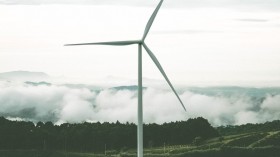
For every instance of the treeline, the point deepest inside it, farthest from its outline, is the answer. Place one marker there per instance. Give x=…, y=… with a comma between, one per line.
x=247, y=128
x=94, y=137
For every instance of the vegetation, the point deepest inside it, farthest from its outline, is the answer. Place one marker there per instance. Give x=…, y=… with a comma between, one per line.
x=92, y=137
x=247, y=128
x=192, y=138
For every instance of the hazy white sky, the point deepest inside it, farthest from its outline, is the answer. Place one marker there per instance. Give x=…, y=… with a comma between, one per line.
x=197, y=42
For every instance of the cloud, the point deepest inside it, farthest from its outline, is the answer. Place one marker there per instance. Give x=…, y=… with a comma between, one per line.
x=271, y=107
x=43, y=103
x=64, y=104
x=76, y=105
x=244, y=117
x=236, y=110
x=112, y=105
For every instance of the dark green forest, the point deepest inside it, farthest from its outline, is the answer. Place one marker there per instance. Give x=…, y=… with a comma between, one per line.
x=248, y=128
x=92, y=137
x=191, y=138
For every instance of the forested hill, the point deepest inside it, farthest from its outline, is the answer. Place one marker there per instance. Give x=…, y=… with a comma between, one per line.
x=249, y=128
x=93, y=136
x=191, y=135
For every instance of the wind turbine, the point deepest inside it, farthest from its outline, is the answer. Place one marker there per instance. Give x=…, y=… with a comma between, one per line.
x=140, y=43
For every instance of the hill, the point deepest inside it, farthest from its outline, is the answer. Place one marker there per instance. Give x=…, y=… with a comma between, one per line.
x=91, y=137
x=24, y=76
x=192, y=138
x=250, y=140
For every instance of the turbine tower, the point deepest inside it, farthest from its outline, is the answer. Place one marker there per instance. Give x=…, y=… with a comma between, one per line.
x=140, y=43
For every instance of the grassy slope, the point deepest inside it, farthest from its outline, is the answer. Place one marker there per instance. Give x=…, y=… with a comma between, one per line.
x=257, y=144
x=249, y=144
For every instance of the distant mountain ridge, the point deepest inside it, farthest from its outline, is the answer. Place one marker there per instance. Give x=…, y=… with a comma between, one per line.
x=24, y=76
x=38, y=83
x=235, y=90
x=131, y=88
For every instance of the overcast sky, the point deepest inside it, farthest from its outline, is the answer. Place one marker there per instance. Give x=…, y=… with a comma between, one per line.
x=205, y=42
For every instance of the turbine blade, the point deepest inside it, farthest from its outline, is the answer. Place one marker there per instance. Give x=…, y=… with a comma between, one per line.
x=112, y=43
x=151, y=20
x=162, y=72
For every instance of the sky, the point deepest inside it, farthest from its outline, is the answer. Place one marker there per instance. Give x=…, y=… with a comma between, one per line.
x=199, y=43
x=207, y=42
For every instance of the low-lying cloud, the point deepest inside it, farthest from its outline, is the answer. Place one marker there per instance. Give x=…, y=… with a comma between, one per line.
x=61, y=104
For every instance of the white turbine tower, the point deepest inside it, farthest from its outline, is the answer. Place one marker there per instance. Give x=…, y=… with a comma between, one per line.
x=153, y=57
